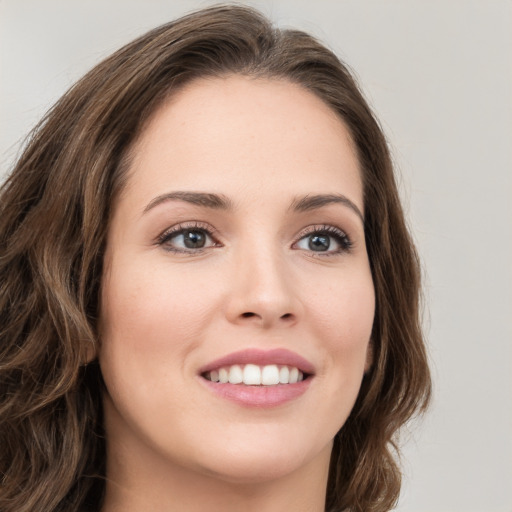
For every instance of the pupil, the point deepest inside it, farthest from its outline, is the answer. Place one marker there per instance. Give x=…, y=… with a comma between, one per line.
x=319, y=243
x=194, y=239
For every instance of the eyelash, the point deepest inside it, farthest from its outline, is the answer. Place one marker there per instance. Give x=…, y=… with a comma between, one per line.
x=181, y=228
x=341, y=238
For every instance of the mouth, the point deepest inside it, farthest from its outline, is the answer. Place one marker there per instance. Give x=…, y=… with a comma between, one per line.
x=256, y=375
x=258, y=378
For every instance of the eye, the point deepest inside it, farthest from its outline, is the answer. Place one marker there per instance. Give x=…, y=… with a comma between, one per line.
x=324, y=239
x=187, y=239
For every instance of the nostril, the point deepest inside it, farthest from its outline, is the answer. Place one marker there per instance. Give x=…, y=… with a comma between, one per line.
x=250, y=314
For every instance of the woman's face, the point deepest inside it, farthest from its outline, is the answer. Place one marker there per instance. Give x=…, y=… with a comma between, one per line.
x=236, y=251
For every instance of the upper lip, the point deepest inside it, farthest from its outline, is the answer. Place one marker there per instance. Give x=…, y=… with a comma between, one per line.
x=261, y=357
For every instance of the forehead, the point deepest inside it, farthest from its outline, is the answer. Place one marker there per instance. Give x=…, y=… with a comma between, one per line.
x=236, y=134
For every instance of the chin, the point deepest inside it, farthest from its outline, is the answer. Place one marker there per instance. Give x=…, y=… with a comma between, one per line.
x=253, y=463
x=249, y=471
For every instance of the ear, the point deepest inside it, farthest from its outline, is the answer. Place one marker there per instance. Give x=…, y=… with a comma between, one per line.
x=91, y=352
x=369, y=357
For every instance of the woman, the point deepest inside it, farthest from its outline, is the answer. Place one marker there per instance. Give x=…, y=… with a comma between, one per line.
x=209, y=293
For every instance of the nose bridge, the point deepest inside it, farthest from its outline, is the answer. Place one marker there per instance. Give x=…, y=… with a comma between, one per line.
x=263, y=285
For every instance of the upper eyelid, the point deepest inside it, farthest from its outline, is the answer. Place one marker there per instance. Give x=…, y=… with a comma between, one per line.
x=346, y=241
x=182, y=226
x=321, y=227
x=317, y=228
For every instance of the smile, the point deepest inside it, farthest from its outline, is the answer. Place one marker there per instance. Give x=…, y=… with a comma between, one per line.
x=254, y=375
x=258, y=378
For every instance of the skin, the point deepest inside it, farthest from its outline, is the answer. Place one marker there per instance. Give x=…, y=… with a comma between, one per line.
x=172, y=444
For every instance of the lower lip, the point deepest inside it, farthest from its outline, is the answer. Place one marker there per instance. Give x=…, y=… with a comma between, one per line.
x=258, y=396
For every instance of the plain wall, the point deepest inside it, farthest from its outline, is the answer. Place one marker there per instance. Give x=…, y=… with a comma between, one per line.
x=439, y=75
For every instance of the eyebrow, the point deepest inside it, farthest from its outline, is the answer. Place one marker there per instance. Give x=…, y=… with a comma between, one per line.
x=214, y=201
x=222, y=202
x=312, y=202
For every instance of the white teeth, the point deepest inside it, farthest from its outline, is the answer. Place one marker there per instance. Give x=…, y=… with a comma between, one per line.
x=270, y=375
x=254, y=375
x=223, y=375
x=235, y=374
x=284, y=375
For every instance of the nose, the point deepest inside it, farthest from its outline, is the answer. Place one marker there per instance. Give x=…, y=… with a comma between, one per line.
x=262, y=291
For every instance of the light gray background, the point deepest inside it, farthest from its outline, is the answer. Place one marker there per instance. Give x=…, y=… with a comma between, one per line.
x=439, y=74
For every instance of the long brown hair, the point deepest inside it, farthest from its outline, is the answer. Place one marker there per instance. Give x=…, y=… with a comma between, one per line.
x=54, y=214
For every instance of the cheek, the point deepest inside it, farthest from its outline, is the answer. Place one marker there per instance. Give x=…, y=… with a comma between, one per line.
x=344, y=319
x=341, y=321
x=151, y=308
x=346, y=310
x=147, y=328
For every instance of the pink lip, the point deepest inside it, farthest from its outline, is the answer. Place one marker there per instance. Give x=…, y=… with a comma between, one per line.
x=259, y=396
x=261, y=357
